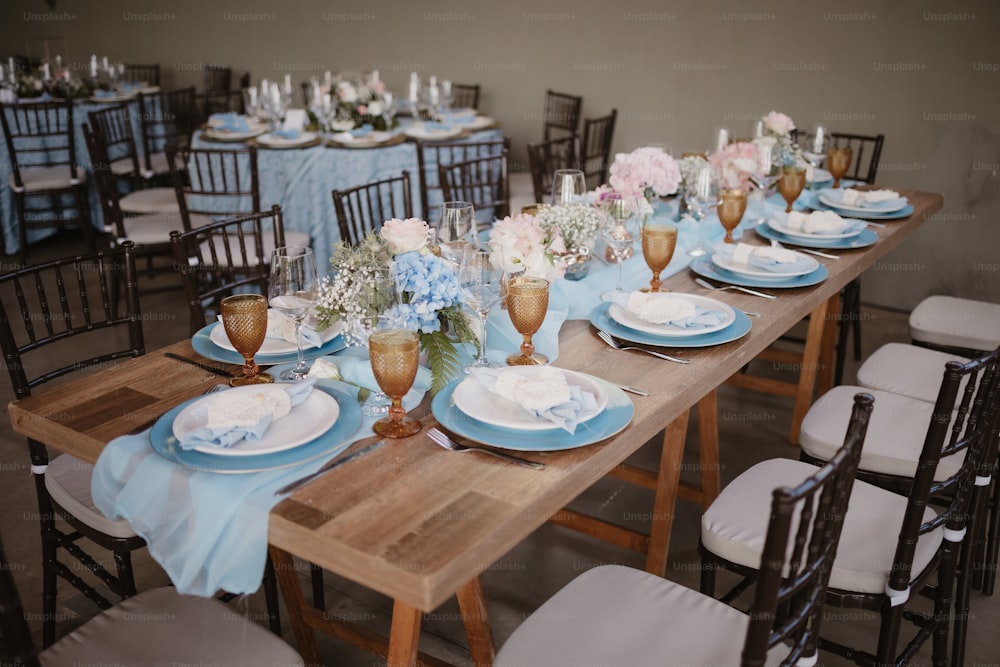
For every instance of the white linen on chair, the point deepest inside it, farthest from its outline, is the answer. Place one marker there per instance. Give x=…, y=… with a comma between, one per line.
x=67, y=479
x=151, y=200
x=40, y=179
x=614, y=615
x=907, y=370
x=954, y=322
x=735, y=526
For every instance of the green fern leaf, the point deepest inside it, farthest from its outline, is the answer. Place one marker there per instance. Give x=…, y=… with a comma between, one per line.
x=442, y=357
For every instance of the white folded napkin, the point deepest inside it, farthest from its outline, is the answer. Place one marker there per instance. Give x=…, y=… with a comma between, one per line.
x=544, y=394
x=767, y=258
x=667, y=308
x=852, y=197
x=235, y=416
x=282, y=327
x=821, y=222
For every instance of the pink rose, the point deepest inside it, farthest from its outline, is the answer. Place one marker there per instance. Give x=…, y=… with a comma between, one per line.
x=405, y=235
x=362, y=109
x=778, y=123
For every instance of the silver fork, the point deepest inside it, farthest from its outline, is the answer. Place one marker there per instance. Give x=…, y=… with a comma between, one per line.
x=609, y=339
x=709, y=286
x=441, y=438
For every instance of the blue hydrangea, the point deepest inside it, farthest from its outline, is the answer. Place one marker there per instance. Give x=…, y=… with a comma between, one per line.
x=429, y=285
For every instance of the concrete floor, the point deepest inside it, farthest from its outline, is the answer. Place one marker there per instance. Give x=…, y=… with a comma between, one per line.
x=752, y=427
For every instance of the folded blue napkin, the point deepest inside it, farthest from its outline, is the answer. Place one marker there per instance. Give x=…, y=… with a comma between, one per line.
x=286, y=134
x=542, y=392
x=766, y=258
x=228, y=423
x=231, y=122
x=362, y=131
x=656, y=309
x=457, y=118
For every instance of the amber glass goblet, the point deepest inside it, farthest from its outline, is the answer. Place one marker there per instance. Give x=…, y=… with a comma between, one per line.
x=658, y=242
x=790, y=185
x=838, y=161
x=395, y=355
x=244, y=317
x=732, y=206
x=527, y=303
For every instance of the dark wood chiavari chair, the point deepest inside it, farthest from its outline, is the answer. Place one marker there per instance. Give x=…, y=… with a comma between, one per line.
x=364, y=208
x=595, y=148
x=165, y=118
x=465, y=96
x=147, y=74
x=217, y=78
x=432, y=153
x=545, y=157
x=562, y=113
x=482, y=182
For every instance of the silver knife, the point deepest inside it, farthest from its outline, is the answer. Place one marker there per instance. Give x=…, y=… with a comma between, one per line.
x=336, y=463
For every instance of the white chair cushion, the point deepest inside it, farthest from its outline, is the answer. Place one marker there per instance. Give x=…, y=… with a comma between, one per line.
x=614, y=615
x=735, y=526
x=39, y=179
x=947, y=320
x=123, y=166
x=67, y=480
x=151, y=200
x=160, y=627
x=152, y=229
x=895, y=437
x=907, y=370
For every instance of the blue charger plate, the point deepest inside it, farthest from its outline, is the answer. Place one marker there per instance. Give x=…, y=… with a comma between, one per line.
x=616, y=416
x=811, y=200
x=866, y=238
x=330, y=443
x=740, y=327
x=703, y=266
x=203, y=345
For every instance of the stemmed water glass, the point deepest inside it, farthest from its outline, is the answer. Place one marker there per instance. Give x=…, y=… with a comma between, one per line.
x=481, y=284
x=568, y=185
x=373, y=299
x=293, y=289
x=791, y=184
x=838, y=161
x=456, y=230
x=701, y=194
x=619, y=234
x=765, y=173
x=244, y=317
x=389, y=109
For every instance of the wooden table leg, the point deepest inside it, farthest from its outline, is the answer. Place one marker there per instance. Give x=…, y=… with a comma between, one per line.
x=404, y=637
x=291, y=590
x=829, y=344
x=708, y=448
x=476, y=621
x=665, y=500
x=810, y=362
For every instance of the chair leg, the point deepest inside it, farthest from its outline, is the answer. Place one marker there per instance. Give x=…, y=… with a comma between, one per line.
x=22, y=228
x=123, y=569
x=843, y=330
x=888, y=634
x=49, y=588
x=318, y=592
x=707, y=578
x=944, y=597
x=271, y=597
x=855, y=285
x=992, y=559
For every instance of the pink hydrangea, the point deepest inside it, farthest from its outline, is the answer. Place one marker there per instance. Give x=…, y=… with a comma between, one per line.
x=405, y=235
x=735, y=164
x=778, y=124
x=647, y=168
x=520, y=244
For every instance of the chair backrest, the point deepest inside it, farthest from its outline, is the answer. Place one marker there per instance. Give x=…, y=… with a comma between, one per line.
x=48, y=303
x=963, y=424
x=104, y=182
x=166, y=118
x=218, y=78
x=39, y=134
x=545, y=157
x=364, y=208
x=596, y=148
x=112, y=128
x=214, y=182
x=562, y=113
x=147, y=74
x=481, y=181
x=16, y=647
x=220, y=258
x=465, y=96
x=219, y=101
x=795, y=569
x=867, y=151
x=431, y=154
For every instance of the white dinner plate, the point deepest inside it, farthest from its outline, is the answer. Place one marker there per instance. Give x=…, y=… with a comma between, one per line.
x=273, y=345
x=478, y=402
x=627, y=319
x=418, y=131
x=478, y=122
x=723, y=262
x=832, y=197
x=306, y=422
x=123, y=97
x=282, y=142
x=373, y=138
x=223, y=135
x=780, y=226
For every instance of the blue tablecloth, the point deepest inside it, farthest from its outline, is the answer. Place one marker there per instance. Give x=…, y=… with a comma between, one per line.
x=301, y=181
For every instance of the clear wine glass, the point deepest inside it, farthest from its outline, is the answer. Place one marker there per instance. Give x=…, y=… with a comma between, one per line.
x=619, y=233
x=293, y=289
x=374, y=299
x=456, y=230
x=765, y=174
x=701, y=194
x=480, y=282
x=568, y=186
x=389, y=109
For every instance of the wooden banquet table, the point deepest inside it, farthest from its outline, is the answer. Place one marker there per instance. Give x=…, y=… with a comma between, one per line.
x=418, y=523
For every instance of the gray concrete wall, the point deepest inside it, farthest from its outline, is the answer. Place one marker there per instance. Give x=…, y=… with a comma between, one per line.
x=926, y=74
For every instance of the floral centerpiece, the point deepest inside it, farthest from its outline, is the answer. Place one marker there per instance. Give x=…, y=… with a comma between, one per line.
x=359, y=104
x=644, y=173
x=33, y=85
x=522, y=245
x=735, y=164
x=578, y=225
x=428, y=288
x=778, y=128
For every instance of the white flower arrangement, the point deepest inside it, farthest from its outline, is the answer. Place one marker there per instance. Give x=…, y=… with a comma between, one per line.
x=579, y=224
